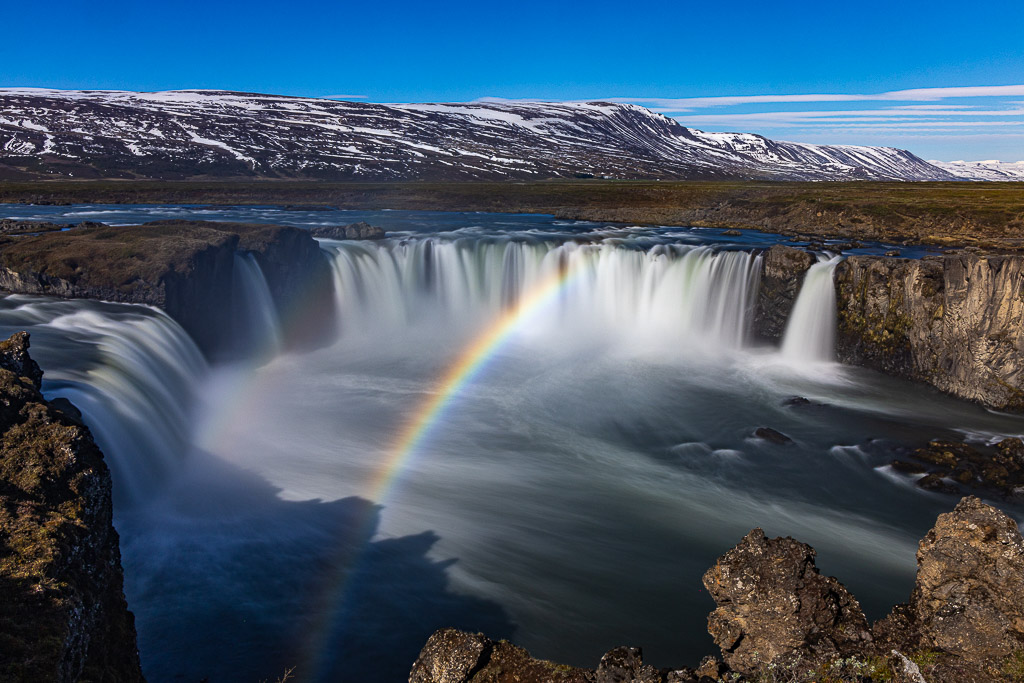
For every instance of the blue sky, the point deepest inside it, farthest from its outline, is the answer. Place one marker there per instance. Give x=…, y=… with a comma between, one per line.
x=676, y=57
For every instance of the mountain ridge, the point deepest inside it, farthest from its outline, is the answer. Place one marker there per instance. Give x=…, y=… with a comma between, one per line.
x=214, y=133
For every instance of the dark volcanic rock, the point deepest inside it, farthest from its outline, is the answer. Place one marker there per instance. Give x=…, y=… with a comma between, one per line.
x=10, y=226
x=782, y=272
x=452, y=656
x=779, y=620
x=63, y=615
x=772, y=436
x=967, y=600
x=14, y=357
x=772, y=602
x=184, y=267
x=353, y=231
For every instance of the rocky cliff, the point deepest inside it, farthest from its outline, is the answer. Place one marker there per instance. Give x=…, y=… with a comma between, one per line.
x=63, y=615
x=954, y=322
x=782, y=274
x=183, y=267
x=778, y=620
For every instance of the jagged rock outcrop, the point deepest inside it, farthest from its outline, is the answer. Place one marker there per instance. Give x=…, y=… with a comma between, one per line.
x=772, y=602
x=452, y=656
x=353, y=231
x=782, y=274
x=63, y=615
x=779, y=619
x=967, y=600
x=183, y=267
x=955, y=322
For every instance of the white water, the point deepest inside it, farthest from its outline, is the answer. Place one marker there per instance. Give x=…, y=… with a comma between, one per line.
x=811, y=329
x=131, y=371
x=570, y=499
x=257, y=328
x=669, y=296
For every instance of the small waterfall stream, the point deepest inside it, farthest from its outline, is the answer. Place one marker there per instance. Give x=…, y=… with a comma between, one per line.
x=811, y=328
x=257, y=330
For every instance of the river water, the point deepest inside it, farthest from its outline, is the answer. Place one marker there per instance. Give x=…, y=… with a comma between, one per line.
x=536, y=428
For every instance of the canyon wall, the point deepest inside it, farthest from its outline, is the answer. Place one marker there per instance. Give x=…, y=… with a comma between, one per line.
x=63, y=615
x=184, y=267
x=953, y=321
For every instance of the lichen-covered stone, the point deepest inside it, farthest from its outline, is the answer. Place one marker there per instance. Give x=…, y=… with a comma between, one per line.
x=63, y=615
x=452, y=656
x=772, y=602
x=967, y=599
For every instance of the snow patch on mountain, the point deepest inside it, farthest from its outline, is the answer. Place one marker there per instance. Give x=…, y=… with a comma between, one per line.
x=992, y=170
x=187, y=133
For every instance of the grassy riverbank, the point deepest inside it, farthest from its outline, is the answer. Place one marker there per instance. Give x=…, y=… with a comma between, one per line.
x=982, y=214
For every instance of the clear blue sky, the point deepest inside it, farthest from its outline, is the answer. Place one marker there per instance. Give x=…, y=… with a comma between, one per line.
x=640, y=51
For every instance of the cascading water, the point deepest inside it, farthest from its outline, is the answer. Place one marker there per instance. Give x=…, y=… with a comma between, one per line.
x=570, y=496
x=130, y=370
x=257, y=330
x=667, y=294
x=811, y=329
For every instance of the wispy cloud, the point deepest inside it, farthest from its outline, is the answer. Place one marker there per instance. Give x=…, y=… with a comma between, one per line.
x=953, y=114
x=916, y=94
x=344, y=97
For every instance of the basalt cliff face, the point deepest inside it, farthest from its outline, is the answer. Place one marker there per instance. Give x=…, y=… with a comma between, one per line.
x=779, y=620
x=955, y=322
x=63, y=615
x=184, y=267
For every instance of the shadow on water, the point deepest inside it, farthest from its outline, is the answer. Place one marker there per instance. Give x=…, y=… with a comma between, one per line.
x=231, y=583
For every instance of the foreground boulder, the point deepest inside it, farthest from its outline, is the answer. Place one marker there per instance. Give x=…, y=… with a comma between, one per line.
x=969, y=596
x=778, y=620
x=772, y=602
x=452, y=656
x=63, y=615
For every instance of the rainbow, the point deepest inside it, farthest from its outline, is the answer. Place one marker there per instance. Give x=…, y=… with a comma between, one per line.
x=468, y=365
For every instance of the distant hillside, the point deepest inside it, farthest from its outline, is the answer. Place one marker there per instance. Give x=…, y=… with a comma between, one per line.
x=195, y=134
x=984, y=170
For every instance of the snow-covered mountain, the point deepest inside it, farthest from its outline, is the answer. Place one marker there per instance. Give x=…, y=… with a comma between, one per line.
x=195, y=133
x=984, y=170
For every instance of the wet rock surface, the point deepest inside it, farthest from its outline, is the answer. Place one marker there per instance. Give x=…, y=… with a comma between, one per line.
x=352, y=231
x=772, y=436
x=779, y=620
x=955, y=467
x=63, y=615
x=782, y=273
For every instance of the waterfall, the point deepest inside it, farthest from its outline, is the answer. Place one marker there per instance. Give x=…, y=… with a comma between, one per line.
x=811, y=329
x=256, y=327
x=669, y=292
x=133, y=373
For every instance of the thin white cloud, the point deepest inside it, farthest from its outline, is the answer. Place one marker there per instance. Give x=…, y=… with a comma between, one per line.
x=344, y=97
x=912, y=95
